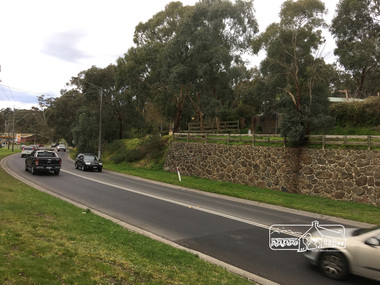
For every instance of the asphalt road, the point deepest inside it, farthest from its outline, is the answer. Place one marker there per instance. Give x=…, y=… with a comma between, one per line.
x=234, y=231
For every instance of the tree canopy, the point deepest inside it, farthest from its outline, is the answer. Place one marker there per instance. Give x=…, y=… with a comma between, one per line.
x=188, y=63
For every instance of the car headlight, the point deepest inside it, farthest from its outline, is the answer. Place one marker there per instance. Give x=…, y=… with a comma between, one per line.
x=87, y=163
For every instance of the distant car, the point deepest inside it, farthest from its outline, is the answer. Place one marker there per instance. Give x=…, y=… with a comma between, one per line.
x=26, y=151
x=61, y=147
x=88, y=161
x=54, y=145
x=361, y=255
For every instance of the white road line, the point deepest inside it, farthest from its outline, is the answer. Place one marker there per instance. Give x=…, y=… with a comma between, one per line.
x=173, y=201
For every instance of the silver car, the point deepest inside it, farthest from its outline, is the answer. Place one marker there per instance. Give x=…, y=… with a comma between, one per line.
x=26, y=151
x=360, y=256
x=61, y=147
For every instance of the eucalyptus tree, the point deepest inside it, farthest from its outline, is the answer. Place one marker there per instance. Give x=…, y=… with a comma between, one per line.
x=206, y=48
x=140, y=71
x=356, y=28
x=107, y=104
x=292, y=67
x=62, y=112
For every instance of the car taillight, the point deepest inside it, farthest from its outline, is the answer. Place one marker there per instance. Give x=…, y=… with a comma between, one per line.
x=37, y=161
x=60, y=162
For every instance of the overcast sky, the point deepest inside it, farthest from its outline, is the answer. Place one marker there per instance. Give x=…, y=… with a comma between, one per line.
x=44, y=43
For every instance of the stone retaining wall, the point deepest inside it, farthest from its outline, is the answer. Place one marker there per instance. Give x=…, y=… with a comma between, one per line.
x=349, y=175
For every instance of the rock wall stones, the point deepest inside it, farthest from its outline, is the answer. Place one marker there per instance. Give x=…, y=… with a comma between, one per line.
x=349, y=175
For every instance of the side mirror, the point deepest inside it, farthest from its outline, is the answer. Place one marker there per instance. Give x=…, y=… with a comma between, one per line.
x=372, y=242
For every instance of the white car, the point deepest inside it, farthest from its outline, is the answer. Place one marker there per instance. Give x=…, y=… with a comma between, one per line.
x=360, y=256
x=26, y=151
x=61, y=147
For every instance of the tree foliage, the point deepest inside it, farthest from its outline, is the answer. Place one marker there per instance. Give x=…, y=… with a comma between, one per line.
x=356, y=28
x=187, y=63
x=292, y=69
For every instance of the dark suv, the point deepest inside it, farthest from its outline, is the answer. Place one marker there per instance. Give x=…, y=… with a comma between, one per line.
x=88, y=161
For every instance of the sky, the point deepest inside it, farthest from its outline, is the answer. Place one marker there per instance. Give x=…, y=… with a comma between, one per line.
x=44, y=43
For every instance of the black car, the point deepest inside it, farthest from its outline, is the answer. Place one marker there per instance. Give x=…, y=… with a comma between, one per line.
x=88, y=161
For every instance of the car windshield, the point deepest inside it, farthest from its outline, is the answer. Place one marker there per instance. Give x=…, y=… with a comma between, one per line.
x=359, y=232
x=28, y=148
x=90, y=158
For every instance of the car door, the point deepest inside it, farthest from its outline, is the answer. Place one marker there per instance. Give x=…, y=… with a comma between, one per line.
x=80, y=161
x=370, y=257
x=29, y=159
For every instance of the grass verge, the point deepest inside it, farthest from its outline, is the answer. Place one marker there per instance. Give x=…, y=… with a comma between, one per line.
x=44, y=240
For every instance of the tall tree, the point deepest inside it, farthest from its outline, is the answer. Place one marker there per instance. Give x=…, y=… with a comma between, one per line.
x=207, y=46
x=292, y=67
x=145, y=63
x=61, y=114
x=356, y=28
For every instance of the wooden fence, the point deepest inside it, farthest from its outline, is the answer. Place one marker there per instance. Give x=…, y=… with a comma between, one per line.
x=323, y=141
x=211, y=127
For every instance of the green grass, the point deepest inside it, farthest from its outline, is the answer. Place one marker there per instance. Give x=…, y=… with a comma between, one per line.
x=44, y=240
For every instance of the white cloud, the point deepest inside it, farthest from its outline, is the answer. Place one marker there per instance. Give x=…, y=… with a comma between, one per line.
x=64, y=46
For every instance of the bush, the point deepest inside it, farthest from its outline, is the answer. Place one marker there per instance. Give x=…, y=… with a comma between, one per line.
x=293, y=128
x=358, y=114
x=151, y=147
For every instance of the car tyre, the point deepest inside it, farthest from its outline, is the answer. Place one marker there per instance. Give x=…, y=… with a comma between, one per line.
x=333, y=265
x=76, y=165
x=34, y=172
x=56, y=172
x=100, y=170
x=83, y=168
x=26, y=167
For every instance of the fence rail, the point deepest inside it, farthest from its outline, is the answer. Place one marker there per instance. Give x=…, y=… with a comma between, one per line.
x=256, y=139
x=211, y=127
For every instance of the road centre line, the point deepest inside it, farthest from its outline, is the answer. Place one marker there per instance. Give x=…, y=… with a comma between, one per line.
x=173, y=201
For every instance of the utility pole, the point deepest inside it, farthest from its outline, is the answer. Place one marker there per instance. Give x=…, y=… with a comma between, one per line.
x=13, y=130
x=100, y=125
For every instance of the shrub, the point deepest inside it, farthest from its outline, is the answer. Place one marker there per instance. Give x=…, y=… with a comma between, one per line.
x=358, y=114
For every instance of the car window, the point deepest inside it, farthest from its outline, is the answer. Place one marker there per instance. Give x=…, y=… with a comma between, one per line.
x=359, y=232
x=46, y=154
x=90, y=158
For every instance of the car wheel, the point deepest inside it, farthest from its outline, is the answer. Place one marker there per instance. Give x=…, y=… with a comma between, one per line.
x=76, y=165
x=26, y=167
x=56, y=172
x=34, y=172
x=99, y=169
x=83, y=168
x=333, y=265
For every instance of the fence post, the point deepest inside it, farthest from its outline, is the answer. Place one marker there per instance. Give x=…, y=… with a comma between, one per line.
x=173, y=136
x=228, y=139
x=188, y=136
x=369, y=142
x=323, y=141
x=206, y=138
x=284, y=141
x=253, y=139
